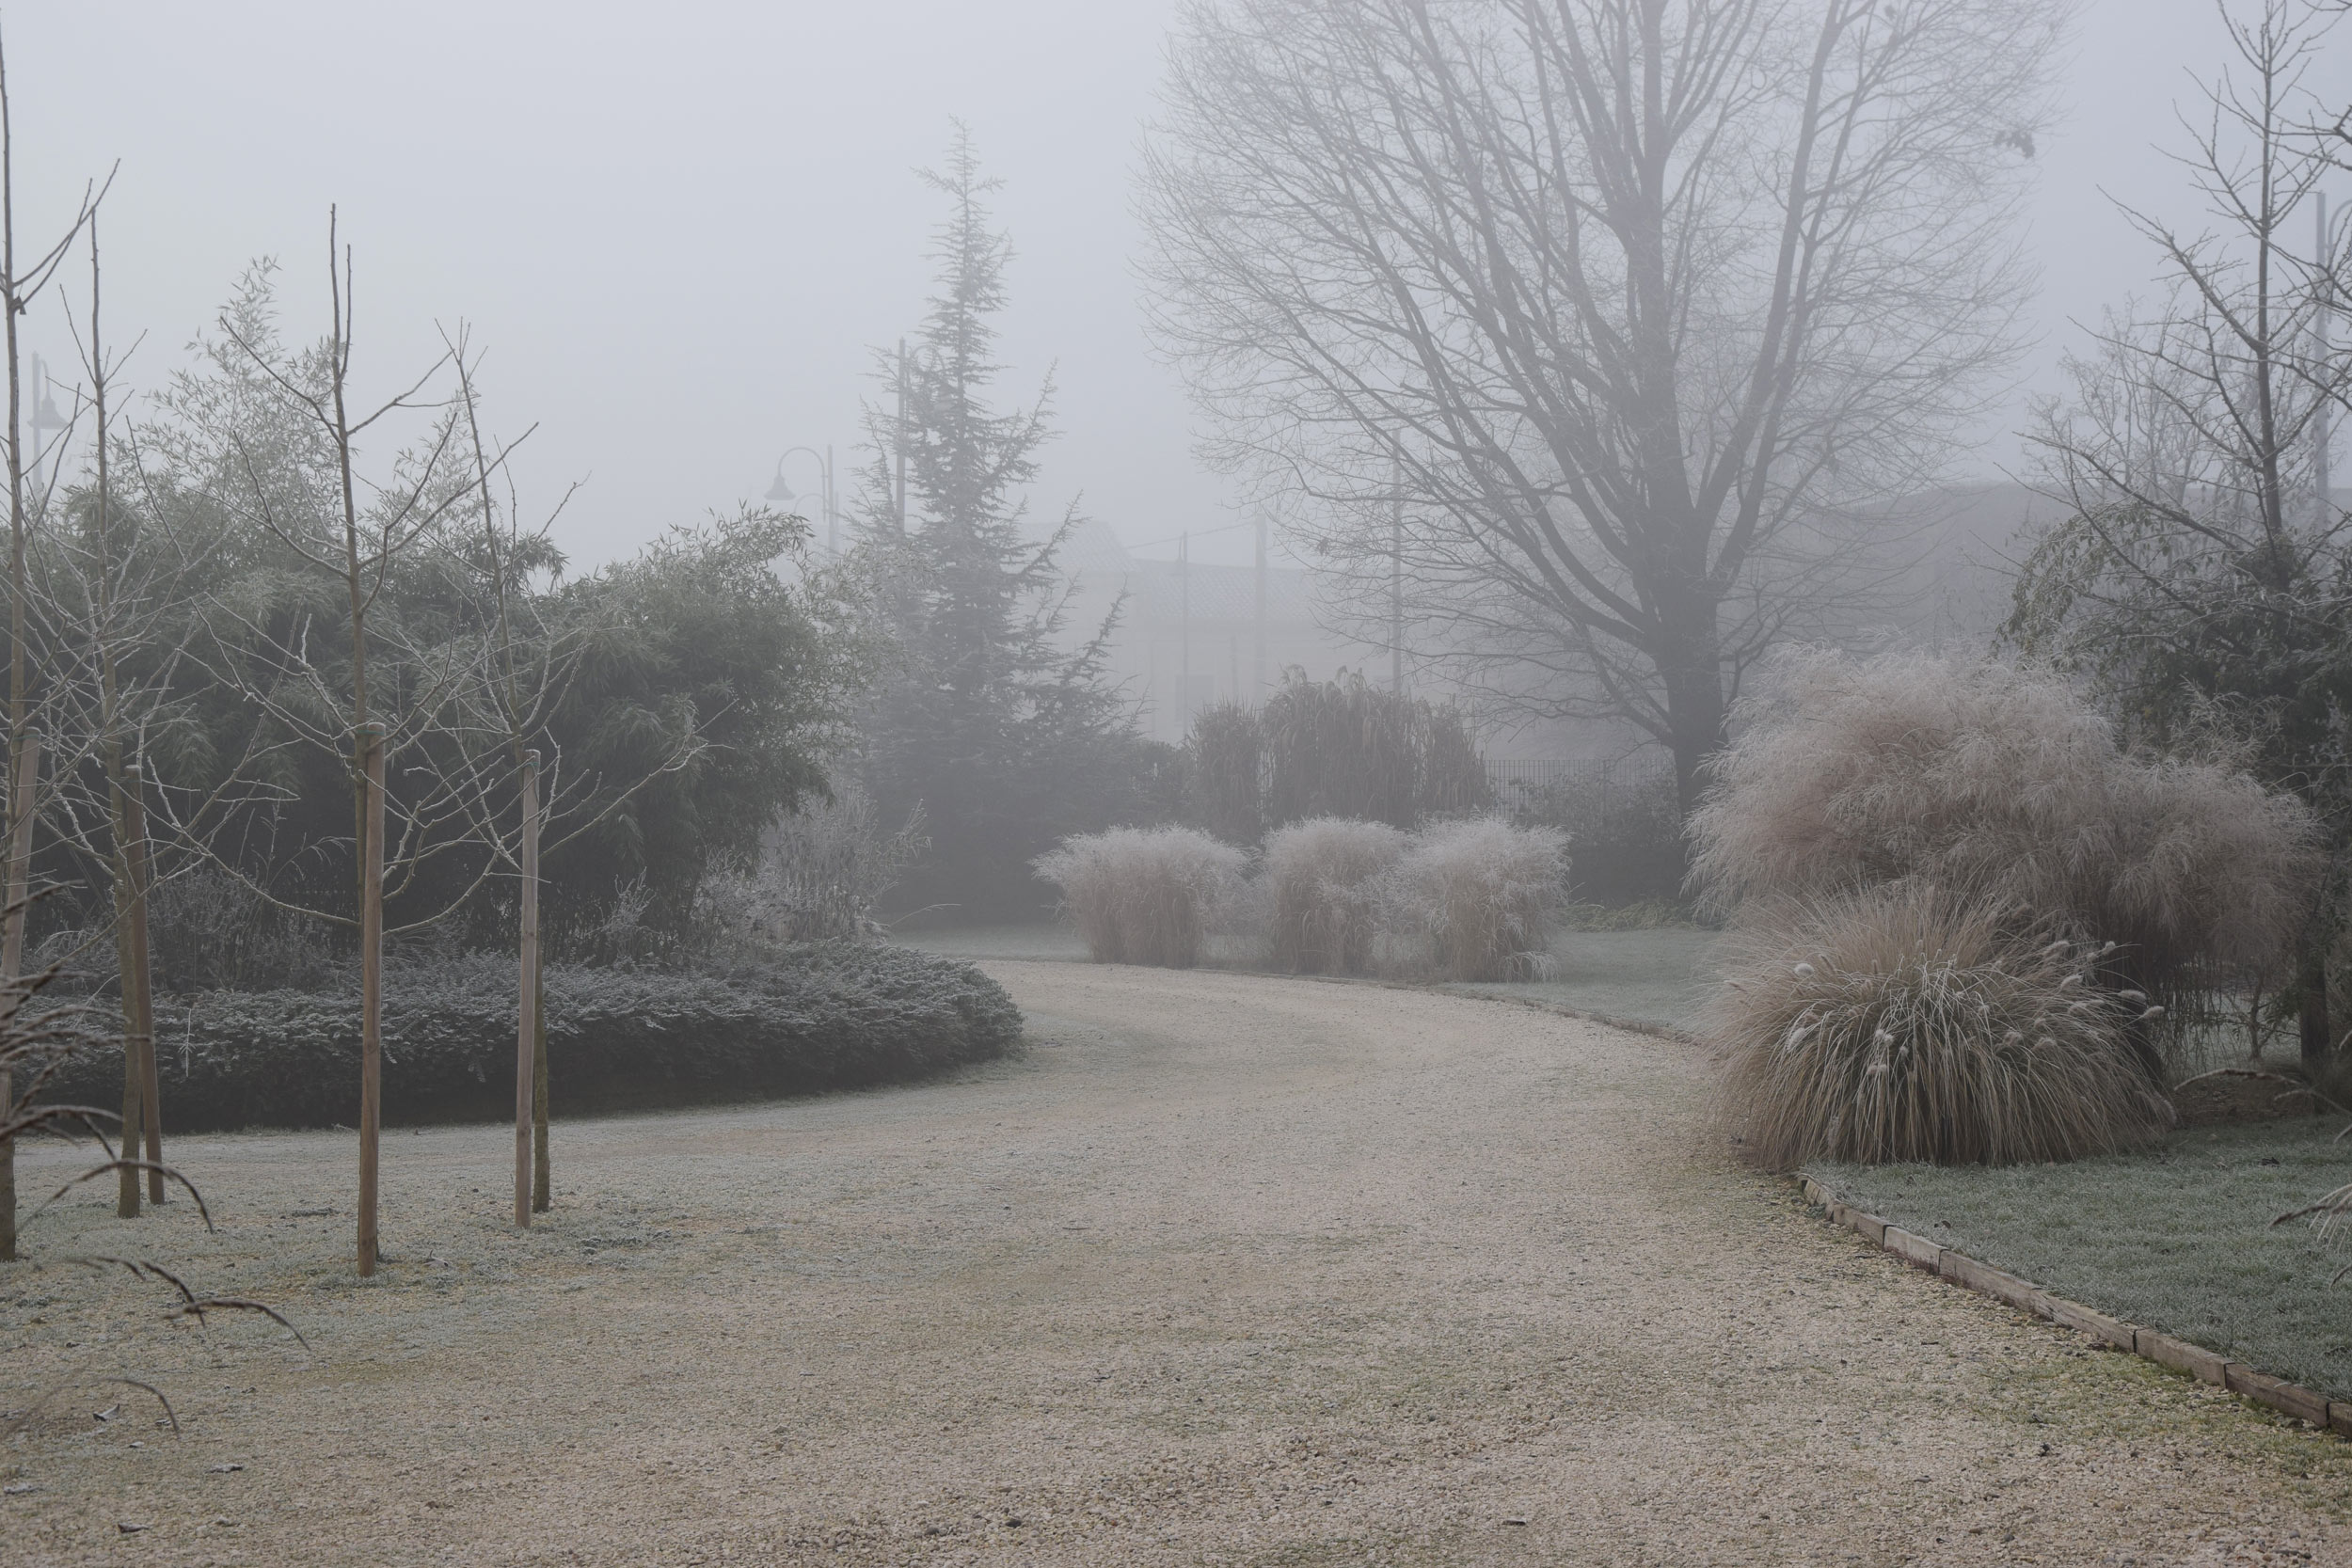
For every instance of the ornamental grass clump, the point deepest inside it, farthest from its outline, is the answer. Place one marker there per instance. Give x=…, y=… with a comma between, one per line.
x=1324, y=877
x=1980, y=776
x=1481, y=894
x=1144, y=896
x=1905, y=1023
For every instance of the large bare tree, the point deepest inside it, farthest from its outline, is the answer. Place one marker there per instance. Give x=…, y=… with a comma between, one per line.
x=1585, y=336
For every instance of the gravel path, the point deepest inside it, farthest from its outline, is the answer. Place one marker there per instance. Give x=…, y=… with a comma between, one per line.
x=1224, y=1270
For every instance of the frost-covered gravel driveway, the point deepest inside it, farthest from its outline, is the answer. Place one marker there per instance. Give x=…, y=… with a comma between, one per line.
x=1225, y=1269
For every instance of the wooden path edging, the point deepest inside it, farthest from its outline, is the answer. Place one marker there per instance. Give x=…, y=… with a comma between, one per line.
x=2179, y=1354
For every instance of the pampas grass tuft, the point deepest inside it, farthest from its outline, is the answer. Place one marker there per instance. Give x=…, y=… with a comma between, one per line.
x=1144, y=896
x=1979, y=776
x=1904, y=1023
x=1482, y=894
x=1324, y=875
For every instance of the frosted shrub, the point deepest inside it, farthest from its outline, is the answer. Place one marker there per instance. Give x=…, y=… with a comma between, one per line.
x=1323, y=876
x=1144, y=896
x=1480, y=893
x=1982, y=777
x=1903, y=1023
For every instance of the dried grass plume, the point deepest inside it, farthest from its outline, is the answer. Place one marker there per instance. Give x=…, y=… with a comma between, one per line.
x=1904, y=1022
x=1144, y=896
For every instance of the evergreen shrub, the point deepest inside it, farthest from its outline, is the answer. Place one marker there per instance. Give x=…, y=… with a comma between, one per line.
x=831, y=1016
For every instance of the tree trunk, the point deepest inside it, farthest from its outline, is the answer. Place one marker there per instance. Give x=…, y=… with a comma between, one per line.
x=126, y=969
x=2312, y=1009
x=151, y=1091
x=542, y=1198
x=527, y=1015
x=12, y=949
x=1692, y=664
x=370, y=981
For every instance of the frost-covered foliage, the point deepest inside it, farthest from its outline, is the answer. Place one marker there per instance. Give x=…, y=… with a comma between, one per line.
x=1904, y=1022
x=831, y=1016
x=1324, y=878
x=821, y=872
x=1981, y=777
x=1478, y=895
x=1144, y=896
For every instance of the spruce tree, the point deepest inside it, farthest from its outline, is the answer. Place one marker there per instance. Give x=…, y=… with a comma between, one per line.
x=1007, y=738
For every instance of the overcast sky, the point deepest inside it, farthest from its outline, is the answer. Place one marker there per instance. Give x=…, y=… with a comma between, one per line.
x=679, y=228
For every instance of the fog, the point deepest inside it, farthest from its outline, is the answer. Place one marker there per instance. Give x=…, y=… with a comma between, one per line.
x=680, y=230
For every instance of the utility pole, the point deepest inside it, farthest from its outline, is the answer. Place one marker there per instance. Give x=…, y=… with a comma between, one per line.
x=1397, y=577
x=1183, y=632
x=46, y=420
x=1261, y=672
x=832, y=514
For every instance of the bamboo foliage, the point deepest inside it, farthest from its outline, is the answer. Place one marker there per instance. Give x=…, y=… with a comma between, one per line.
x=1341, y=748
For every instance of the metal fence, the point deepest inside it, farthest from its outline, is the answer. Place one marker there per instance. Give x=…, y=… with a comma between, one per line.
x=1513, y=779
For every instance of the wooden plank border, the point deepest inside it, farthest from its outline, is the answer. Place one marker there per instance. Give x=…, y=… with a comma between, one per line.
x=2164, y=1349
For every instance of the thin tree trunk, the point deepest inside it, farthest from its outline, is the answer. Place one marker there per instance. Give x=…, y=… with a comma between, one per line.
x=2312, y=1012
x=141, y=972
x=527, y=1015
x=126, y=967
x=542, y=1197
x=371, y=982
x=27, y=777
x=20, y=743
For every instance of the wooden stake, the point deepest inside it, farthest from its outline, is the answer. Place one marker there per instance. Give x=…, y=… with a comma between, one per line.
x=371, y=982
x=143, y=1019
x=527, y=1016
x=134, y=1076
x=12, y=950
x=542, y=1198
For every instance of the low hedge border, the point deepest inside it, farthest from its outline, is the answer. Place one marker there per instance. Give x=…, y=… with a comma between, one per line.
x=2286, y=1398
x=834, y=1016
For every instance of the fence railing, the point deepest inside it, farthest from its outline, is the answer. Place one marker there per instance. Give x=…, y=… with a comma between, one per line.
x=1606, y=775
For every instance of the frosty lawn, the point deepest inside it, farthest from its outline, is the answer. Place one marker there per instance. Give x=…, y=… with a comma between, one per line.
x=1657, y=976
x=2178, y=1238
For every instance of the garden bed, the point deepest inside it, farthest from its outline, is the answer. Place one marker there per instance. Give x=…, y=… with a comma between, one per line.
x=832, y=1016
x=2177, y=1238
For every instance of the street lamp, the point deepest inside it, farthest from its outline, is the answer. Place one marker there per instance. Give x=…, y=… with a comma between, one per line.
x=45, y=417
x=782, y=493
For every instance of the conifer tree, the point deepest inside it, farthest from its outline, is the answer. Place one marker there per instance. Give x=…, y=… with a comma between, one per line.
x=1005, y=736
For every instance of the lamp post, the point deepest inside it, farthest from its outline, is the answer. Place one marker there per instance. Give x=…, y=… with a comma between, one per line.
x=45, y=421
x=782, y=493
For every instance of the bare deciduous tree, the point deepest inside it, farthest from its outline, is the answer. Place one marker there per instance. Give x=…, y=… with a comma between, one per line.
x=2201, y=575
x=1638, y=306
x=18, y=286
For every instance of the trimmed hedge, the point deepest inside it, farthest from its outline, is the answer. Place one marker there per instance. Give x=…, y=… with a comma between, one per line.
x=835, y=1016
